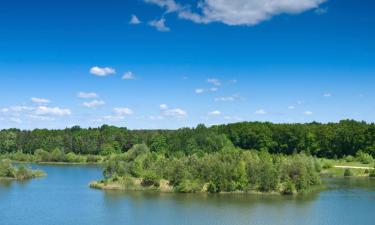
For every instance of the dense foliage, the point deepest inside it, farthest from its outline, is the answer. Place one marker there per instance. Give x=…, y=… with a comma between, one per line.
x=227, y=170
x=324, y=140
x=7, y=170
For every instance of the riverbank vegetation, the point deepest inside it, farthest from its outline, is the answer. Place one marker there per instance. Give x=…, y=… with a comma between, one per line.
x=56, y=156
x=8, y=171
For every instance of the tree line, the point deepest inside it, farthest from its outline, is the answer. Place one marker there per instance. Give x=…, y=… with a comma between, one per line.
x=331, y=140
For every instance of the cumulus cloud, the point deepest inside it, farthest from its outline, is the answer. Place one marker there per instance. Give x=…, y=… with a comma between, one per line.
x=119, y=114
x=236, y=12
x=128, y=76
x=123, y=111
x=169, y=5
x=260, y=112
x=40, y=100
x=308, y=113
x=199, y=90
x=327, y=95
x=93, y=104
x=87, y=95
x=175, y=113
x=159, y=25
x=227, y=98
x=163, y=107
x=53, y=111
x=214, y=113
x=134, y=20
x=156, y=117
x=202, y=90
x=102, y=71
x=214, y=81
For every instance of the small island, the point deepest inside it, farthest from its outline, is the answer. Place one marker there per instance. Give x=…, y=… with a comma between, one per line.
x=230, y=170
x=10, y=172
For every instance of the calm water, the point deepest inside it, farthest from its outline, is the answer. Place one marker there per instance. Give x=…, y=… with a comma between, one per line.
x=63, y=198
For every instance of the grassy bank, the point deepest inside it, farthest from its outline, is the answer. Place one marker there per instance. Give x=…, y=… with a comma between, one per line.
x=344, y=168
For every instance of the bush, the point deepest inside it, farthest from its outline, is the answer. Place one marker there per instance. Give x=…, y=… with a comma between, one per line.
x=364, y=158
x=188, y=186
x=150, y=179
x=348, y=173
x=327, y=164
x=6, y=169
x=212, y=188
x=349, y=158
x=288, y=188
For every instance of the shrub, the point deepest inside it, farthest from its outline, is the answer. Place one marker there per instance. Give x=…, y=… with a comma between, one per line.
x=364, y=158
x=327, y=164
x=348, y=173
x=349, y=158
x=151, y=179
x=288, y=188
x=188, y=186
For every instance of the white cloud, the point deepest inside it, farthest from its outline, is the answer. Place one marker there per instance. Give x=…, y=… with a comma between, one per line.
x=102, y=71
x=156, y=117
x=163, y=107
x=119, y=114
x=308, y=113
x=237, y=12
x=291, y=107
x=159, y=25
x=214, y=113
x=167, y=112
x=128, y=76
x=199, y=90
x=327, y=95
x=87, y=95
x=123, y=111
x=134, y=20
x=54, y=111
x=260, y=112
x=177, y=113
x=214, y=81
x=40, y=100
x=227, y=98
x=169, y=5
x=93, y=104
x=16, y=110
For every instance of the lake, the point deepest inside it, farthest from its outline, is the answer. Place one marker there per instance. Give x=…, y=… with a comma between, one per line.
x=64, y=198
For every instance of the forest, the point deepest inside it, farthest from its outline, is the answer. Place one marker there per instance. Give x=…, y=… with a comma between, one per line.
x=331, y=140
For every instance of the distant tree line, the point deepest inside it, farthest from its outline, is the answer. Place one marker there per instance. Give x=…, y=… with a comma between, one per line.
x=332, y=140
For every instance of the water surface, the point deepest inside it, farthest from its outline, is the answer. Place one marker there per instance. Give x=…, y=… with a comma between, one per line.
x=63, y=198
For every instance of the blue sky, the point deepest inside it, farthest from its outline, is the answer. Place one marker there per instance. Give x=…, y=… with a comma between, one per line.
x=174, y=63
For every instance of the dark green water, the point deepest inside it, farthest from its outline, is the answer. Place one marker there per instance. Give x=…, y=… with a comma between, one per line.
x=63, y=198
